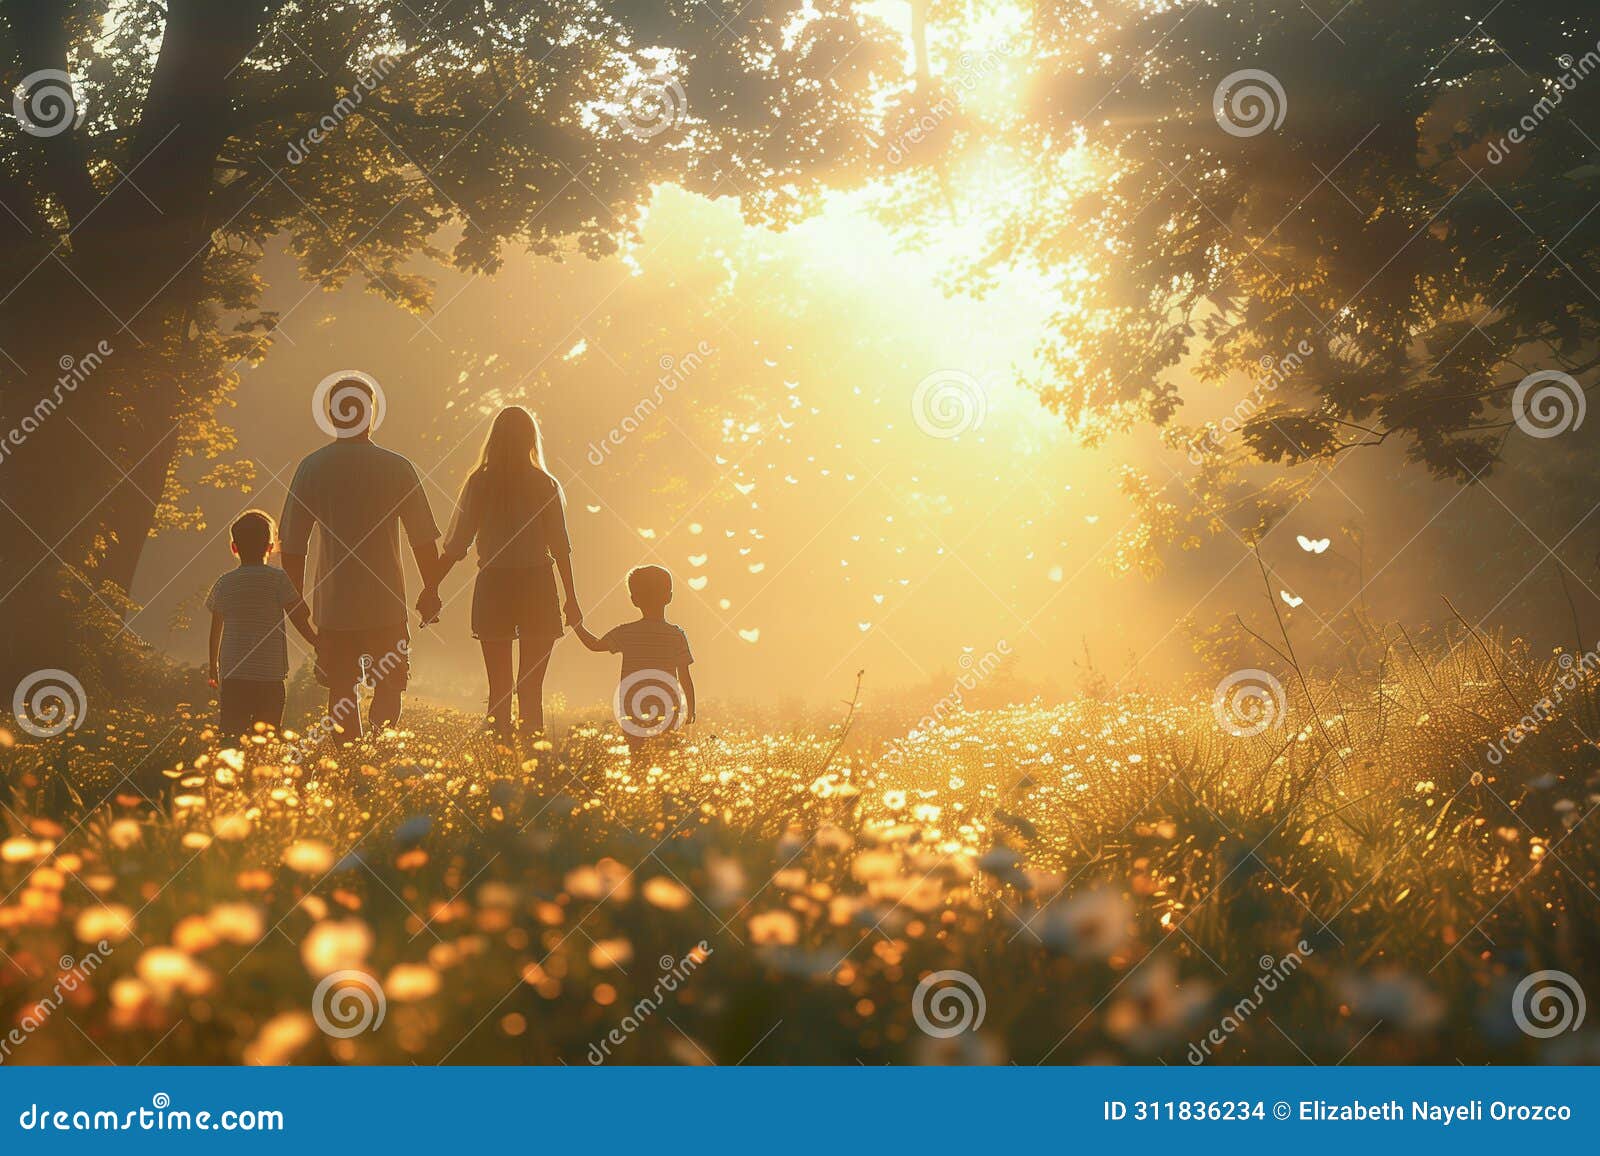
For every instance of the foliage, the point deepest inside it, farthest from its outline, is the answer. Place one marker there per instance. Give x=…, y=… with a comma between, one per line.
x=1110, y=873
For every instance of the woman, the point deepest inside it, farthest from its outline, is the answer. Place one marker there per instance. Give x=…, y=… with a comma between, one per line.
x=514, y=509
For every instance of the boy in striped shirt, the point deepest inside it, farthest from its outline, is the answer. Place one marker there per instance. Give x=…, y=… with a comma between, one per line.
x=249, y=654
x=656, y=693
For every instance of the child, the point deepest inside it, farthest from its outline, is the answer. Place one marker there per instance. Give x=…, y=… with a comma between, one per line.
x=655, y=662
x=249, y=655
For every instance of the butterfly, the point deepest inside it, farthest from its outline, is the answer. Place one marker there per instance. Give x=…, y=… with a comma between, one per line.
x=1290, y=599
x=751, y=635
x=1311, y=545
x=697, y=560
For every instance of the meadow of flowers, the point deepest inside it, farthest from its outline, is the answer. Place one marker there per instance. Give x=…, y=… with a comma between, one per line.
x=1113, y=880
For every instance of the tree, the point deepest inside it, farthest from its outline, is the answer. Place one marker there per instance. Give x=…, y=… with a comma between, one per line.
x=159, y=147
x=1373, y=224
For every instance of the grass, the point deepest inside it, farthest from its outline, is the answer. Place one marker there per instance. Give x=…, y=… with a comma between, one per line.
x=1115, y=878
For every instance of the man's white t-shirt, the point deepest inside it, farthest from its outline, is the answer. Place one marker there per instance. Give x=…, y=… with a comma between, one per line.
x=357, y=496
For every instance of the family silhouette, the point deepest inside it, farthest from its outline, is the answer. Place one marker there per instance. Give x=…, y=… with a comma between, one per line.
x=348, y=506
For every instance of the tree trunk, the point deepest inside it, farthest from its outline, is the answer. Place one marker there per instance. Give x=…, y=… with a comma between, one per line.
x=88, y=390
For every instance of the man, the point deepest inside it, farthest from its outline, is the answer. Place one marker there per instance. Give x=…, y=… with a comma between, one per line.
x=358, y=495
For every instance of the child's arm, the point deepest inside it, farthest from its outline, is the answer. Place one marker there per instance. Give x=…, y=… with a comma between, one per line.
x=214, y=652
x=686, y=680
x=300, y=615
x=587, y=638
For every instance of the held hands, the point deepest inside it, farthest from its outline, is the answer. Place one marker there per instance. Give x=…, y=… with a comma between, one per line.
x=429, y=605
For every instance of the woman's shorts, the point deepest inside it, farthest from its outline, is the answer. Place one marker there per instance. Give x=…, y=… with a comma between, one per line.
x=516, y=602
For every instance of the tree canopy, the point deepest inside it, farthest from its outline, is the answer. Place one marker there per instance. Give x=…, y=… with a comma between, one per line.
x=1370, y=225
x=159, y=148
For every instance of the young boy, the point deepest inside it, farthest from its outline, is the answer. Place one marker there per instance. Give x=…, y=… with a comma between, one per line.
x=656, y=693
x=249, y=654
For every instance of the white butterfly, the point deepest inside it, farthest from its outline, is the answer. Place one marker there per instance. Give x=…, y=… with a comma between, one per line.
x=1290, y=599
x=1311, y=545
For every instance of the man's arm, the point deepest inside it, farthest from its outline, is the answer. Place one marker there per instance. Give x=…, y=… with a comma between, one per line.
x=294, y=530
x=416, y=515
x=294, y=565
x=686, y=680
x=214, y=652
x=432, y=568
x=301, y=617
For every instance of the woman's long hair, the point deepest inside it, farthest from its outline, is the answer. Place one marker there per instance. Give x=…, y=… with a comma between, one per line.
x=513, y=444
x=513, y=450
